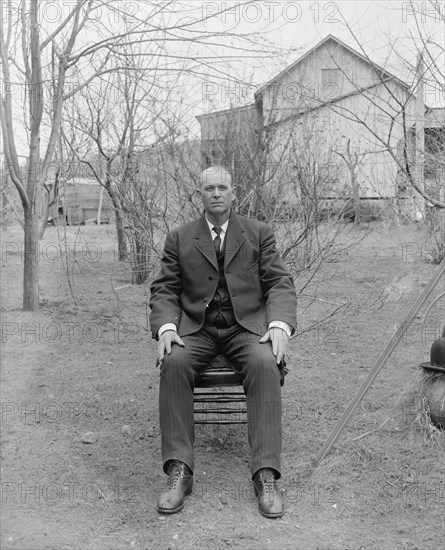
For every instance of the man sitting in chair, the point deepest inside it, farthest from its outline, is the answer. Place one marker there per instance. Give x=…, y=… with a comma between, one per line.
x=222, y=289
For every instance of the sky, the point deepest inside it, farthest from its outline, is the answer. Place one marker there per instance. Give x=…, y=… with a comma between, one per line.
x=281, y=32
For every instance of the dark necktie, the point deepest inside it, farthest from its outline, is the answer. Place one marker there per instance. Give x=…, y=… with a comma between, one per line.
x=217, y=239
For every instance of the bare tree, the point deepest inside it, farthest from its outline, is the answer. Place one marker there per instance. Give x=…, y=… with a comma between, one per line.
x=353, y=159
x=53, y=56
x=102, y=130
x=157, y=192
x=35, y=51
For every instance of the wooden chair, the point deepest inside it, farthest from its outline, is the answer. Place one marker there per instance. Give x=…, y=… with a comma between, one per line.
x=224, y=404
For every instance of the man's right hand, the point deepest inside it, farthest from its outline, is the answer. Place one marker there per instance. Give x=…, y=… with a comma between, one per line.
x=166, y=340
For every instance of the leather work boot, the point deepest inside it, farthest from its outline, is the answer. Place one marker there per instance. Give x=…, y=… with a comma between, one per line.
x=270, y=501
x=179, y=485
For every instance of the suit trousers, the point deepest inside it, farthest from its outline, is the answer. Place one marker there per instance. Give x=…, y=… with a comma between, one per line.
x=261, y=381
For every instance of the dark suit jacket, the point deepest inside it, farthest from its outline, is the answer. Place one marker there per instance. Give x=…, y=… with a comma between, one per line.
x=260, y=286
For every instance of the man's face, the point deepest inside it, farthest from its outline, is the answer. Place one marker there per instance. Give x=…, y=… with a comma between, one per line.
x=217, y=194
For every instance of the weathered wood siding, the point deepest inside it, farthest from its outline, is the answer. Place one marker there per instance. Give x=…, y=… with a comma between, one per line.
x=221, y=131
x=304, y=86
x=333, y=116
x=369, y=122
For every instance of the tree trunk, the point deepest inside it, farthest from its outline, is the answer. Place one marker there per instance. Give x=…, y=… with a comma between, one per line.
x=355, y=196
x=31, y=261
x=121, y=236
x=141, y=261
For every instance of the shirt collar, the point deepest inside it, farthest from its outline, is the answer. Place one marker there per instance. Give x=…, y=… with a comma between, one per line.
x=224, y=226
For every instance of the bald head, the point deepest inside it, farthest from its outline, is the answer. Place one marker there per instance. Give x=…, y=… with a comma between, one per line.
x=215, y=173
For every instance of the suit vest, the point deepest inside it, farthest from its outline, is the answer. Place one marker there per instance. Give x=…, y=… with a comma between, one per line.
x=220, y=309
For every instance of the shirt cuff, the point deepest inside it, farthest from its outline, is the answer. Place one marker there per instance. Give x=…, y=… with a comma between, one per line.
x=281, y=324
x=167, y=326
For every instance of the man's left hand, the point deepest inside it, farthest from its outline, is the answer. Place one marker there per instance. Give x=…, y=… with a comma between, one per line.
x=279, y=340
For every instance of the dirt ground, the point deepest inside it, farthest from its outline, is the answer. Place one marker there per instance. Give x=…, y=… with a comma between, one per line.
x=85, y=364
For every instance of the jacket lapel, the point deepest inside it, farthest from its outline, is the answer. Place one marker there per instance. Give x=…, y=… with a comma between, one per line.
x=234, y=239
x=204, y=242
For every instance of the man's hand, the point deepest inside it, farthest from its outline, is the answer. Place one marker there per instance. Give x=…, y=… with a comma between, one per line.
x=166, y=340
x=279, y=339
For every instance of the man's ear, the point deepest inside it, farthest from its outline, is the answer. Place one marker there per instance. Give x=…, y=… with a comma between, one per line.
x=234, y=193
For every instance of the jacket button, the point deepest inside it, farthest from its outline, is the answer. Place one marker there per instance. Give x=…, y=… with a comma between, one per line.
x=210, y=278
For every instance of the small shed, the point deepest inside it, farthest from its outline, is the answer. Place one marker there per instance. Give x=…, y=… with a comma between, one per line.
x=84, y=201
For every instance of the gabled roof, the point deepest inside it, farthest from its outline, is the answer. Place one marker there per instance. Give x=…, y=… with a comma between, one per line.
x=435, y=117
x=383, y=72
x=231, y=110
